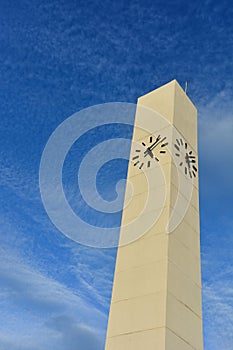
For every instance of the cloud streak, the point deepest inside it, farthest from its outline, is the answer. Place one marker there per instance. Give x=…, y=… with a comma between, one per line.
x=216, y=144
x=218, y=315
x=49, y=313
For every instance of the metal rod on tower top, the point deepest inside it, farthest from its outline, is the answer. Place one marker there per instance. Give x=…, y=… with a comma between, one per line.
x=186, y=86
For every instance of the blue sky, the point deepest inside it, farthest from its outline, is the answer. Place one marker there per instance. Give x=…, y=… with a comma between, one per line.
x=58, y=57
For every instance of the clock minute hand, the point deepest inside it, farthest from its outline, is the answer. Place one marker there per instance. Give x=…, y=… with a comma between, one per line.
x=156, y=143
x=153, y=144
x=149, y=149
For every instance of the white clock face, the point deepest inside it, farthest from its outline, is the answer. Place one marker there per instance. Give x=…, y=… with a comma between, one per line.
x=186, y=158
x=150, y=151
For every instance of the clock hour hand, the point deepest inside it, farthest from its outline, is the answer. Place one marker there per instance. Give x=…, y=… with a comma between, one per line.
x=192, y=159
x=149, y=149
x=187, y=159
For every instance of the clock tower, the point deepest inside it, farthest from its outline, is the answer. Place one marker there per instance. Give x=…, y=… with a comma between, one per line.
x=156, y=299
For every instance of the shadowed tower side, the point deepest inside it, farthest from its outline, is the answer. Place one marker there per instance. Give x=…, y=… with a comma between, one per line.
x=156, y=298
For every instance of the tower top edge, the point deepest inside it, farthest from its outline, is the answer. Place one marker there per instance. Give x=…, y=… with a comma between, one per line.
x=170, y=86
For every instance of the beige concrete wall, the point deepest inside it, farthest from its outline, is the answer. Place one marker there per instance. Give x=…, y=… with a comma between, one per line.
x=156, y=298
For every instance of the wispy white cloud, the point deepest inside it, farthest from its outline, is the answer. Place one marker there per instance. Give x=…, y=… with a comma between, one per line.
x=217, y=274
x=97, y=281
x=216, y=123
x=216, y=143
x=218, y=315
x=49, y=314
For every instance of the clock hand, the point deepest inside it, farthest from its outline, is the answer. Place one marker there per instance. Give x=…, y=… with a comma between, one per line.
x=156, y=144
x=188, y=161
x=153, y=144
x=149, y=149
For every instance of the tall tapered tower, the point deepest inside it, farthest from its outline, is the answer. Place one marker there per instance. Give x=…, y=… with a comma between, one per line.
x=156, y=300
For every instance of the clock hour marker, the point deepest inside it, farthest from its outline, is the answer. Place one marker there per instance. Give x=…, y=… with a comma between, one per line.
x=181, y=141
x=194, y=174
x=185, y=171
x=141, y=166
x=186, y=145
x=136, y=163
x=165, y=144
x=177, y=154
x=148, y=164
x=143, y=143
x=178, y=142
x=162, y=151
x=181, y=163
x=177, y=147
x=136, y=157
x=138, y=150
x=156, y=159
x=190, y=152
x=151, y=139
x=194, y=168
